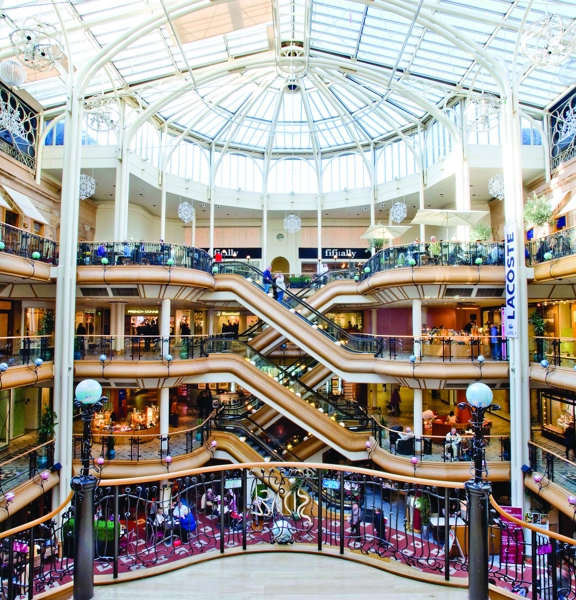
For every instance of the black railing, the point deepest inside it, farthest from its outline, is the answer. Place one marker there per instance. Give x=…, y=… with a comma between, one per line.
x=143, y=253
x=552, y=467
x=28, y=245
x=26, y=465
x=552, y=247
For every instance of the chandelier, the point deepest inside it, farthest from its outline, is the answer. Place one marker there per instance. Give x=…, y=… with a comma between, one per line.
x=87, y=186
x=10, y=120
x=398, y=212
x=36, y=44
x=292, y=223
x=185, y=212
x=496, y=186
x=566, y=74
x=101, y=113
x=549, y=41
x=12, y=73
x=483, y=112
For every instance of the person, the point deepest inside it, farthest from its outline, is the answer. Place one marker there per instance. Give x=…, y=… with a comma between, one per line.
x=379, y=525
x=407, y=434
x=184, y=327
x=80, y=330
x=207, y=501
x=126, y=254
x=395, y=402
x=204, y=403
x=451, y=419
x=469, y=327
x=101, y=252
x=325, y=269
x=159, y=517
x=570, y=440
x=494, y=342
x=452, y=444
x=354, y=519
x=280, y=287
x=174, y=413
x=180, y=514
x=267, y=279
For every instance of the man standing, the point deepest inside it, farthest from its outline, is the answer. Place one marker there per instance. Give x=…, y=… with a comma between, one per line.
x=267, y=279
x=452, y=444
x=495, y=342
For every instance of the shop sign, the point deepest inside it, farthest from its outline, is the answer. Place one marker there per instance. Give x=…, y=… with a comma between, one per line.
x=511, y=270
x=232, y=253
x=142, y=311
x=511, y=549
x=331, y=484
x=231, y=484
x=330, y=253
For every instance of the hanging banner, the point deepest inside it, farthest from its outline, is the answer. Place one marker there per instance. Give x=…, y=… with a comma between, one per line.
x=511, y=269
x=511, y=548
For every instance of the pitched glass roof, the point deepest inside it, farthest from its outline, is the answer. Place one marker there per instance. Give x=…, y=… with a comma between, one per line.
x=366, y=66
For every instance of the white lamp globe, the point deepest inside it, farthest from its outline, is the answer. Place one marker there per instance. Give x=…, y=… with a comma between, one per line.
x=88, y=391
x=479, y=395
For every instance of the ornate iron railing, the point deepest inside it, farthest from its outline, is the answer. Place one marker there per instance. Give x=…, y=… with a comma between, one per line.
x=28, y=245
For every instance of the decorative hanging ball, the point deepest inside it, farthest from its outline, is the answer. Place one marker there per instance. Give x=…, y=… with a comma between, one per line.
x=36, y=255
x=104, y=261
x=478, y=261
x=547, y=255
x=292, y=223
x=366, y=269
x=549, y=41
x=398, y=212
x=411, y=262
x=496, y=186
x=12, y=73
x=186, y=212
x=170, y=262
x=2, y=245
x=87, y=186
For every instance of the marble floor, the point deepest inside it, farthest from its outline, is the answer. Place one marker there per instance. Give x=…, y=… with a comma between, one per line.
x=279, y=576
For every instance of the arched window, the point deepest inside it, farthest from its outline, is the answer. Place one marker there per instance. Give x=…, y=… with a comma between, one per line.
x=146, y=143
x=347, y=171
x=292, y=175
x=395, y=160
x=191, y=162
x=237, y=171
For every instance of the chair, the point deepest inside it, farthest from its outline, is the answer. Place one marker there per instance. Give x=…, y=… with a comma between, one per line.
x=405, y=447
x=394, y=435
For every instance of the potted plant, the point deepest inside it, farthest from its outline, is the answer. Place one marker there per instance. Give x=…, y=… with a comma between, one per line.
x=45, y=431
x=539, y=325
x=46, y=328
x=423, y=505
x=104, y=535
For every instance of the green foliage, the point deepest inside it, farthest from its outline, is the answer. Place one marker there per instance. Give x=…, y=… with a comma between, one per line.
x=423, y=505
x=537, y=211
x=383, y=420
x=46, y=429
x=401, y=259
x=47, y=324
x=537, y=321
x=481, y=231
x=104, y=530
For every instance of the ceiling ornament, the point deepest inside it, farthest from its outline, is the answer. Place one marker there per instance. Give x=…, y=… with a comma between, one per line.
x=292, y=60
x=292, y=223
x=10, y=121
x=483, y=112
x=186, y=212
x=36, y=44
x=87, y=186
x=496, y=186
x=12, y=73
x=549, y=41
x=398, y=212
x=569, y=125
x=101, y=113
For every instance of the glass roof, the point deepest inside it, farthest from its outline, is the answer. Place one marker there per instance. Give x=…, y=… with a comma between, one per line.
x=361, y=65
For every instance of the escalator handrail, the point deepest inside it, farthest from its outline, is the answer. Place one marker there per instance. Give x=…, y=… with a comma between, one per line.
x=283, y=371
x=362, y=337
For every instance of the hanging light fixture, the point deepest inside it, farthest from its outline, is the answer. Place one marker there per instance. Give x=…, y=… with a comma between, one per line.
x=101, y=113
x=483, y=112
x=292, y=223
x=10, y=120
x=12, y=73
x=496, y=186
x=398, y=212
x=87, y=186
x=549, y=41
x=36, y=44
x=185, y=212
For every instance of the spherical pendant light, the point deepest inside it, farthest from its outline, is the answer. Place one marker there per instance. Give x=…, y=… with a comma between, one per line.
x=292, y=223
x=185, y=212
x=87, y=186
x=398, y=212
x=12, y=73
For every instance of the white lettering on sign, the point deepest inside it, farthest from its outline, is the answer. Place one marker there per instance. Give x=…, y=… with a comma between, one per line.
x=511, y=270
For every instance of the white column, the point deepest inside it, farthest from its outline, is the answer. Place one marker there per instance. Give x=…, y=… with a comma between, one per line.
x=164, y=325
x=319, y=210
x=374, y=319
x=121, y=201
x=66, y=298
x=163, y=208
x=416, y=332
x=117, y=312
x=264, y=230
x=164, y=406
x=211, y=200
x=210, y=319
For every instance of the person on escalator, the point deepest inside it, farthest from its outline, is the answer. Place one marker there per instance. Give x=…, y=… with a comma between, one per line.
x=267, y=279
x=280, y=287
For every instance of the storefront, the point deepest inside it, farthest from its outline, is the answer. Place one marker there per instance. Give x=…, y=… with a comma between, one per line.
x=350, y=321
x=556, y=410
x=233, y=321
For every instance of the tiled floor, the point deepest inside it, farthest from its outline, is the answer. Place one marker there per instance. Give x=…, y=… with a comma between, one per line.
x=278, y=576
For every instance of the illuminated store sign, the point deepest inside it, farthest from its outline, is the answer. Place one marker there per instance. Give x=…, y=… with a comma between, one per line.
x=339, y=253
x=231, y=253
x=142, y=311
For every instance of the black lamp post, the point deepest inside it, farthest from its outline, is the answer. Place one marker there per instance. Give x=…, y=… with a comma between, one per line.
x=478, y=490
x=88, y=399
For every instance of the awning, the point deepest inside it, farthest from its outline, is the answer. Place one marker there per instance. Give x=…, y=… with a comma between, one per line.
x=26, y=205
x=4, y=204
